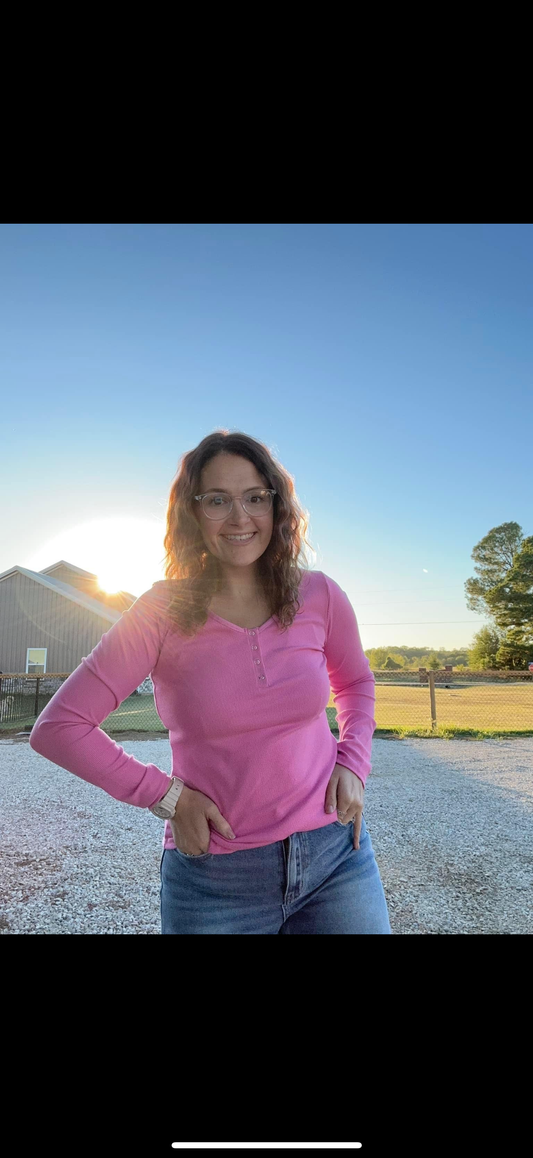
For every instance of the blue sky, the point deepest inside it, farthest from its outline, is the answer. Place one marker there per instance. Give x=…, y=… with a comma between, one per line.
x=387, y=367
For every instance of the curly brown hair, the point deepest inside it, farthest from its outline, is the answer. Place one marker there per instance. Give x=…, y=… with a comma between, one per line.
x=196, y=572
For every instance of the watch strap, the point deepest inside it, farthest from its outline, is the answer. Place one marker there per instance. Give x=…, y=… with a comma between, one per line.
x=166, y=807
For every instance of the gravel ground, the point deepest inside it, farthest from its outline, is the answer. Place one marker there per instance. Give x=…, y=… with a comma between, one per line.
x=451, y=823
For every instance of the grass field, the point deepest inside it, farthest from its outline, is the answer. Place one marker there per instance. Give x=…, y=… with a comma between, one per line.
x=478, y=711
x=488, y=708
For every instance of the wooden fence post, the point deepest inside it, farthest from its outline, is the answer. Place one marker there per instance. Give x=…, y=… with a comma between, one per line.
x=431, y=677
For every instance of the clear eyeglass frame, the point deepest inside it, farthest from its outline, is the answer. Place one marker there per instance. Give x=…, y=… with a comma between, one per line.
x=264, y=490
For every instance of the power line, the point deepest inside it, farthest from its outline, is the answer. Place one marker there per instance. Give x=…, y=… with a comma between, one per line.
x=418, y=623
x=382, y=590
x=388, y=602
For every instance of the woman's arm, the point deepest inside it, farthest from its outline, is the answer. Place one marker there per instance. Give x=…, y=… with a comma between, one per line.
x=351, y=681
x=67, y=731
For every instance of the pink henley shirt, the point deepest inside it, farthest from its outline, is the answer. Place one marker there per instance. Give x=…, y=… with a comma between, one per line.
x=244, y=708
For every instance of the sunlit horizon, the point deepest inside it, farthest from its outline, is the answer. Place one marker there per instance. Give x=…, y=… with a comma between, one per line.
x=125, y=554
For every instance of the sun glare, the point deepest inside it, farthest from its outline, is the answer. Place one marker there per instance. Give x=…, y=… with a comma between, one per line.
x=126, y=554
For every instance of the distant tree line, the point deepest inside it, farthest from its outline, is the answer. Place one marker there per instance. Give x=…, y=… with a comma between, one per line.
x=411, y=658
x=502, y=590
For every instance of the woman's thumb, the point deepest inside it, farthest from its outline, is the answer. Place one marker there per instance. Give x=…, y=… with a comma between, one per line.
x=222, y=825
x=330, y=802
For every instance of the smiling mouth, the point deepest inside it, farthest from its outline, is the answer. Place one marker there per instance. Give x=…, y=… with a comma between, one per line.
x=240, y=539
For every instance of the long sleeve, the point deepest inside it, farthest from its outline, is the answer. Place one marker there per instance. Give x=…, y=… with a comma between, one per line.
x=67, y=731
x=352, y=683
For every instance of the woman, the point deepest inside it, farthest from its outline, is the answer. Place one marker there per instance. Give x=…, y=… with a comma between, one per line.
x=264, y=826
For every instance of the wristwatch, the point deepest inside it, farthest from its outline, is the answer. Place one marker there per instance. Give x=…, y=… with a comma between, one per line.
x=166, y=807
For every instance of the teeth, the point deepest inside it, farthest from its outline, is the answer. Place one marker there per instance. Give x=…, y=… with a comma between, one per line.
x=239, y=538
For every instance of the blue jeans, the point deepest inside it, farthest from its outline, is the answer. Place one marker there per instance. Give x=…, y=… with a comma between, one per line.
x=312, y=882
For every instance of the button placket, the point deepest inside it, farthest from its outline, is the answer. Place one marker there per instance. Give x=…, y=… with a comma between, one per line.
x=257, y=662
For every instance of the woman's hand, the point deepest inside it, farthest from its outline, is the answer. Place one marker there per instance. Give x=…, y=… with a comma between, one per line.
x=190, y=823
x=345, y=793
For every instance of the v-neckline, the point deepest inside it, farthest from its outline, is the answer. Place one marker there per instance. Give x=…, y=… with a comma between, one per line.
x=236, y=625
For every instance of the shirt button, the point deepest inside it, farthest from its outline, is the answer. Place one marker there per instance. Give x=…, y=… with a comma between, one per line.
x=261, y=677
x=257, y=661
x=254, y=647
x=252, y=633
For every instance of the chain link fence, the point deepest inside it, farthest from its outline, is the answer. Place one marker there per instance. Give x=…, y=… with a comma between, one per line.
x=439, y=703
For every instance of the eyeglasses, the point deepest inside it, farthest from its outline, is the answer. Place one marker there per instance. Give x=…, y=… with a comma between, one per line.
x=218, y=504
